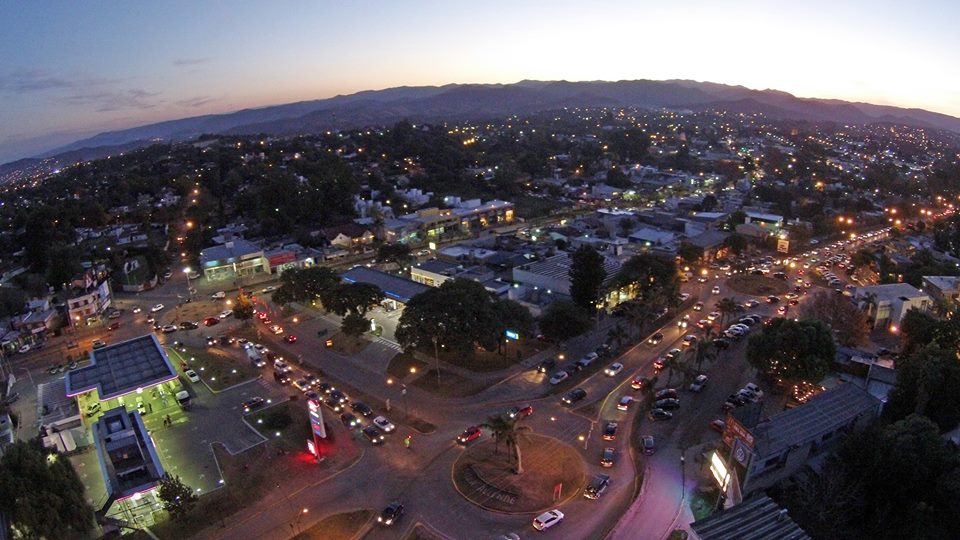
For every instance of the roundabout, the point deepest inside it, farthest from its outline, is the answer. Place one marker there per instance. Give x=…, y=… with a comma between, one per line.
x=484, y=474
x=758, y=285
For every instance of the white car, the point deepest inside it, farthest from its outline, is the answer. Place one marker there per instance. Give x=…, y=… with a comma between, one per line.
x=383, y=424
x=168, y=329
x=614, y=368
x=276, y=329
x=24, y=348
x=268, y=289
x=547, y=519
x=684, y=297
x=559, y=377
x=136, y=309
x=716, y=289
x=218, y=295
x=192, y=375
x=156, y=308
x=226, y=313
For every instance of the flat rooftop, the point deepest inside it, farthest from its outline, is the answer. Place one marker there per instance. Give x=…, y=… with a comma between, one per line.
x=758, y=518
x=122, y=368
x=395, y=287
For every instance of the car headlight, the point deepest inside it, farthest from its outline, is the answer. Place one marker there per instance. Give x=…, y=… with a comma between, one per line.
x=389, y=521
x=380, y=519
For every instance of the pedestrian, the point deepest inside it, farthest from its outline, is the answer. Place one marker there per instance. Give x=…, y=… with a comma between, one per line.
x=407, y=440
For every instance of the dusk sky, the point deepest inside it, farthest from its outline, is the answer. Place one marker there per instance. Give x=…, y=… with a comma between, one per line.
x=71, y=69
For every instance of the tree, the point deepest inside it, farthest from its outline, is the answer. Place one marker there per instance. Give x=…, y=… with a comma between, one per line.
x=586, y=277
x=727, y=308
x=617, y=335
x=848, y=323
x=12, y=301
x=176, y=497
x=563, y=320
x=305, y=284
x=352, y=298
x=639, y=313
x=512, y=316
x=626, y=225
x=650, y=279
x=736, y=243
x=243, y=308
x=737, y=217
x=704, y=350
x=792, y=350
x=507, y=430
x=41, y=494
x=690, y=253
x=928, y=383
x=398, y=253
x=460, y=314
x=354, y=324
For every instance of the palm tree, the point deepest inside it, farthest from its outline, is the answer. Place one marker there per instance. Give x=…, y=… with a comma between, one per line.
x=506, y=430
x=638, y=314
x=704, y=350
x=617, y=335
x=727, y=307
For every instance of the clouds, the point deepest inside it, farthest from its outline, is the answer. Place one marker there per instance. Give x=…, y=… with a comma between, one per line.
x=190, y=62
x=115, y=100
x=98, y=93
x=194, y=102
x=23, y=81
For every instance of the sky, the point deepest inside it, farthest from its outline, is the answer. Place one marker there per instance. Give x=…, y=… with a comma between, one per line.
x=73, y=69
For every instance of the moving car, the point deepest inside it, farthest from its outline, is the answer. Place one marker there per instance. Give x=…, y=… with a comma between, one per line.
x=391, y=514
x=624, y=403
x=520, y=412
x=384, y=424
x=613, y=369
x=225, y=313
x=472, y=433
x=349, y=420
x=715, y=290
x=655, y=339
x=291, y=339
x=574, y=396
x=659, y=363
x=361, y=408
x=253, y=403
x=698, y=306
x=608, y=457
x=596, y=488
x=168, y=328
x=372, y=435
x=547, y=519
x=156, y=308
x=649, y=445
x=192, y=376
x=610, y=431
x=546, y=365
x=639, y=383
x=211, y=321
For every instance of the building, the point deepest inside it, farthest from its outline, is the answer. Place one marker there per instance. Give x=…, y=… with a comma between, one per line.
x=769, y=222
x=553, y=273
x=711, y=242
x=886, y=304
x=129, y=462
x=397, y=289
x=234, y=259
x=758, y=518
x=465, y=216
x=757, y=454
x=943, y=290
x=652, y=237
x=90, y=296
x=434, y=273
x=136, y=374
x=348, y=236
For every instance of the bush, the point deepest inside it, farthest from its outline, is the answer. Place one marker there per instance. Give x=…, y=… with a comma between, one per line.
x=278, y=419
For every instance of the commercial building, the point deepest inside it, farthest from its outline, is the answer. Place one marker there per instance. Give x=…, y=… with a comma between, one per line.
x=90, y=296
x=553, y=275
x=435, y=273
x=234, y=259
x=463, y=217
x=395, y=288
x=886, y=304
x=758, y=518
x=757, y=454
x=943, y=290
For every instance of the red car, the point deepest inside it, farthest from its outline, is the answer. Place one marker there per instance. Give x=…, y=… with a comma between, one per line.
x=472, y=433
x=210, y=321
x=115, y=325
x=290, y=338
x=521, y=412
x=639, y=383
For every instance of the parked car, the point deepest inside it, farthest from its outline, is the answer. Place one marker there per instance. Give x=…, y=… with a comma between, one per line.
x=349, y=420
x=648, y=444
x=684, y=297
x=588, y=359
x=168, y=328
x=97, y=344
x=559, y=377
x=361, y=408
x=596, y=488
x=698, y=383
x=385, y=425
x=659, y=414
x=472, y=433
x=156, y=308
x=225, y=313
x=219, y=295
x=718, y=425
x=211, y=321
x=189, y=325
x=547, y=519
x=546, y=365
x=192, y=376
x=574, y=396
x=666, y=393
x=520, y=412
x=613, y=369
x=253, y=404
x=667, y=404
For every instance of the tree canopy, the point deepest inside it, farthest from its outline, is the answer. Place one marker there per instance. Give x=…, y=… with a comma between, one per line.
x=653, y=279
x=41, y=494
x=586, y=277
x=176, y=497
x=848, y=323
x=792, y=350
x=304, y=284
x=563, y=320
x=928, y=383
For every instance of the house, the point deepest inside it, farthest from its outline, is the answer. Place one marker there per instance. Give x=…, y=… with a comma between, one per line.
x=886, y=304
x=757, y=454
x=649, y=237
x=90, y=296
x=943, y=290
x=712, y=243
x=236, y=258
x=348, y=236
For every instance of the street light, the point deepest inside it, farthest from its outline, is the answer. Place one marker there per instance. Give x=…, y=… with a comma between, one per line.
x=187, y=272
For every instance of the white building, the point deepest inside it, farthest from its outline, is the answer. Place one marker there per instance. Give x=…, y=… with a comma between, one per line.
x=887, y=304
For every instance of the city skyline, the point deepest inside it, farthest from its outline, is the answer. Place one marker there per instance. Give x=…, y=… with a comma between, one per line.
x=74, y=70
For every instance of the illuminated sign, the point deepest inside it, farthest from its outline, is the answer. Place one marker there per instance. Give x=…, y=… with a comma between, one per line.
x=719, y=470
x=512, y=334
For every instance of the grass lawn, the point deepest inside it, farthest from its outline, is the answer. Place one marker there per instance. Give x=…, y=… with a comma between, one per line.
x=703, y=504
x=546, y=462
x=218, y=369
x=400, y=365
x=287, y=424
x=348, y=345
x=451, y=384
x=757, y=285
x=342, y=525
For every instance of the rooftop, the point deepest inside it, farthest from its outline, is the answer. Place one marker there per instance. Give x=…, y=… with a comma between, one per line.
x=122, y=368
x=757, y=518
x=126, y=453
x=943, y=282
x=708, y=239
x=890, y=291
x=558, y=267
x=395, y=287
x=823, y=413
x=235, y=249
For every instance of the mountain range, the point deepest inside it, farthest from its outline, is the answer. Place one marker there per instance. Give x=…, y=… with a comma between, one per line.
x=455, y=102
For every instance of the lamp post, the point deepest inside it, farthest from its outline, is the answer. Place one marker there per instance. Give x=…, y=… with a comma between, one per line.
x=189, y=291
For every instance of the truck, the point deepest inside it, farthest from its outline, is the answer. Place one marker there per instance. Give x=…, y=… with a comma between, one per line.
x=183, y=398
